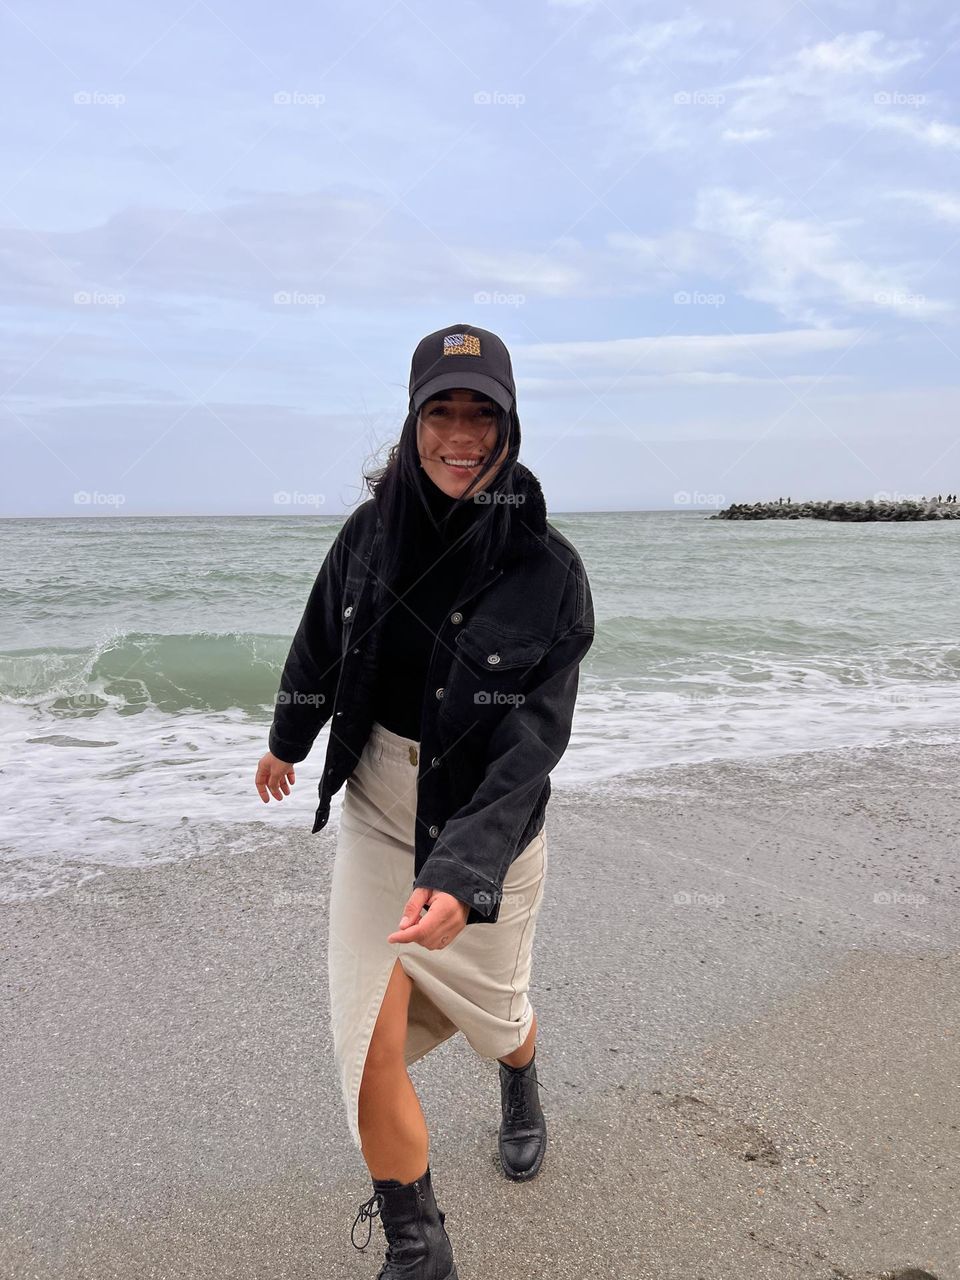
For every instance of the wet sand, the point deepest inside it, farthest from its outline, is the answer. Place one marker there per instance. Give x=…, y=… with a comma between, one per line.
x=747, y=978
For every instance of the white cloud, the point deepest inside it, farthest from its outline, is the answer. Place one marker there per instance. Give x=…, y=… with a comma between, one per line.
x=841, y=81
x=687, y=354
x=666, y=258
x=733, y=361
x=936, y=133
x=797, y=265
x=862, y=53
x=944, y=206
x=628, y=383
x=849, y=80
x=248, y=250
x=671, y=41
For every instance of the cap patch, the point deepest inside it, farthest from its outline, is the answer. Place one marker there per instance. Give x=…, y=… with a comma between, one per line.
x=461, y=344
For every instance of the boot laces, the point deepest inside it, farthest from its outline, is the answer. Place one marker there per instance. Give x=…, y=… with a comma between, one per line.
x=366, y=1213
x=517, y=1108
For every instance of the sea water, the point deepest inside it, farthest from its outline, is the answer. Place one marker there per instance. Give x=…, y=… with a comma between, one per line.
x=139, y=660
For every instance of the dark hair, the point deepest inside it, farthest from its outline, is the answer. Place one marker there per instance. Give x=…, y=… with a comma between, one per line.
x=398, y=490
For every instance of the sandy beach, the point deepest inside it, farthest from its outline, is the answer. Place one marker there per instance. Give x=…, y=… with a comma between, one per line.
x=747, y=978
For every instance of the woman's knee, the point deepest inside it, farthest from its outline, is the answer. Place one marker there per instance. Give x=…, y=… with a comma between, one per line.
x=387, y=1044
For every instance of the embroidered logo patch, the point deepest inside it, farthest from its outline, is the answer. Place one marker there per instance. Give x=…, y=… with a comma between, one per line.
x=461, y=344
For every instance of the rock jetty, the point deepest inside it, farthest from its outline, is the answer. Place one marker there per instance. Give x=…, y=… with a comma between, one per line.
x=936, y=508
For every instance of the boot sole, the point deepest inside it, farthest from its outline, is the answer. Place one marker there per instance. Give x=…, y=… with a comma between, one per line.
x=527, y=1174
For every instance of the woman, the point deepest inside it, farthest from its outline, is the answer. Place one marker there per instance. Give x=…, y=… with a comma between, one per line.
x=442, y=640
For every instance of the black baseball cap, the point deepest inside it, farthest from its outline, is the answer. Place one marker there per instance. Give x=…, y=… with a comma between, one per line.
x=461, y=355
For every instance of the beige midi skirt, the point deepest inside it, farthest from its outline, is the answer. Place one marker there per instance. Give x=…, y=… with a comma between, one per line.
x=477, y=984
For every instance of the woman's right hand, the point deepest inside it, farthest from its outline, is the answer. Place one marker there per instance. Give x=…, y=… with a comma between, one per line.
x=274, y=777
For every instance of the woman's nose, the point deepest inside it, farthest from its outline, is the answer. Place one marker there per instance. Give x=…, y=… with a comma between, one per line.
x=466, y=426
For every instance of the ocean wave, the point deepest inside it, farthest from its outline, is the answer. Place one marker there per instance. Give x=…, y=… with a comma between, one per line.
x=136, y=669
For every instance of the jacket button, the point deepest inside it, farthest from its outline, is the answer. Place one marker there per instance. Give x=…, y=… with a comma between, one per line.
x=348, y=610
x=440, y=692
x=356, y=651
x=434, y=832
x=493, y=658
x=435, y=762
x=456, y=617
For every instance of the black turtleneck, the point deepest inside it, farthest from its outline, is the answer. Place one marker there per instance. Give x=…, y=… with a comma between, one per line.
x=432, y=578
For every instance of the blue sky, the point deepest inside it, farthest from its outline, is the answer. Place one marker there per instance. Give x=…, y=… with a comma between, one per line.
x=721, y=243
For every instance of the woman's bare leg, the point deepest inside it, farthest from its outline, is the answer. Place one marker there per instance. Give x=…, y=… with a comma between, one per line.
x=393, y=1130
x=520, y=1057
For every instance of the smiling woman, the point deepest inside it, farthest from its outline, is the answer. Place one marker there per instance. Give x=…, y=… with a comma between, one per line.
x=462, y=410
x=456, y=432
x=443, y=640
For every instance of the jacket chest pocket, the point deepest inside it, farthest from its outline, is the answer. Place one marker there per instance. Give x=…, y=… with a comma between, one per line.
x=488, y=673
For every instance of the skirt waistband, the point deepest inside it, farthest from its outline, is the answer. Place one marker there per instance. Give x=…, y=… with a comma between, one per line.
x=392, y=746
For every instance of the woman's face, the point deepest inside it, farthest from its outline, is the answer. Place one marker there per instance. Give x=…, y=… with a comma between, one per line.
x=457, y=426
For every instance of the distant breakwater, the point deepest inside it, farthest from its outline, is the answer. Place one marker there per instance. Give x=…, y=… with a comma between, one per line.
x=870, y=509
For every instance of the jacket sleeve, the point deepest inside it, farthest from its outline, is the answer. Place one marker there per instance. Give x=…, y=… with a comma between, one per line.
x=308, y=681
x=477, y=844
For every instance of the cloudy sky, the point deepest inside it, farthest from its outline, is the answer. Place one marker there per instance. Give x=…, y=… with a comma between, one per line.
x=721, y=242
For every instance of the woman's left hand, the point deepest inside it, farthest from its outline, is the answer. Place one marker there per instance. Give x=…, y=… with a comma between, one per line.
x=445, y=918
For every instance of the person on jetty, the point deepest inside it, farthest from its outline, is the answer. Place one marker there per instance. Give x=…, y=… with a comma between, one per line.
x=442, y=639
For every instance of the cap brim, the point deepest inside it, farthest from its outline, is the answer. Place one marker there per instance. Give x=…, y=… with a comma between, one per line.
x=481, y=382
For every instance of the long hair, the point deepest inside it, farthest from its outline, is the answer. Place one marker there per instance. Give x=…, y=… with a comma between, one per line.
x=398, y=490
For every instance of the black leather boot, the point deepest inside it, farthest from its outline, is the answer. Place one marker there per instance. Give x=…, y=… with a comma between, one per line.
x=523, y=1130
x=418, y=1247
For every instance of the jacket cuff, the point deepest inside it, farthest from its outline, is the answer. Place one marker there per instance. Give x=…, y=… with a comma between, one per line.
x=290, y=752
x=449, y=875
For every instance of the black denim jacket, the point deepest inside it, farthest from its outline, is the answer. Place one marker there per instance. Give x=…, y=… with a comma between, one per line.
x=498, y=701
